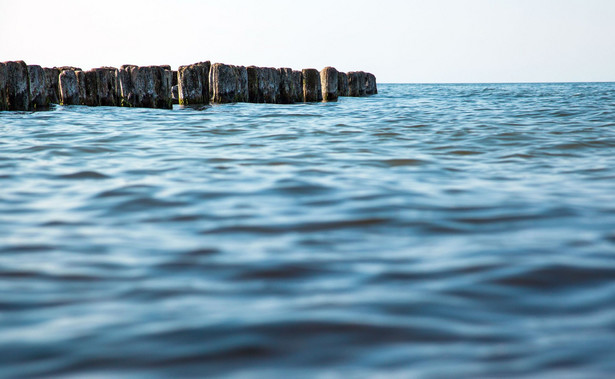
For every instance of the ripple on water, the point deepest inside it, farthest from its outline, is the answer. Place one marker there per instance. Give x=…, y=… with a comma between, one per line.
x=428, y=231
x=84, y=175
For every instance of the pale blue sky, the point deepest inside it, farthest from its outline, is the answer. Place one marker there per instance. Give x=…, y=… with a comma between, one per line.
x=399, y=41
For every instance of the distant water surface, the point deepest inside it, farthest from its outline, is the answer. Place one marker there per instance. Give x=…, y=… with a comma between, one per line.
x=429, y=231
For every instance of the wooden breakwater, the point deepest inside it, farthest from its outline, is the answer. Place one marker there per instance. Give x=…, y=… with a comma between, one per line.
x=29, y=87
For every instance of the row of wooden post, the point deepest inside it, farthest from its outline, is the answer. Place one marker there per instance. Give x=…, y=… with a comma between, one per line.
x=203, y=83
x=32, y=87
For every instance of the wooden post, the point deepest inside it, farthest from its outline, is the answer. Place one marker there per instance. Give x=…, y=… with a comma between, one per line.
x=329, y=83
x=312, y=89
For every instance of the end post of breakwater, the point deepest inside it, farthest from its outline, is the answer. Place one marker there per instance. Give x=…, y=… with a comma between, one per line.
x=26, y=87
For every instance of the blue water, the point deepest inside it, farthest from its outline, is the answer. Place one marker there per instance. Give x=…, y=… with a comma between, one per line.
x=428, y=231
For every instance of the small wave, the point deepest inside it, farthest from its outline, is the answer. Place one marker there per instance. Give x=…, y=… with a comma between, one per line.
x=465, y=152
x=387, y=134
x=282, y=272
x=28, y=248
x=554, y=277
x=303, y=227
x=126, y=191
x=518, y=155
x=488, y=217
x=280, y=137
x=37, y=148
x=84, y=175
x=202, y=252
x=58, y=277
x=294, y=187
x=284, y=115
x=176, y=218
x=62, y=223
x=469, y=268
x=404, y=162
x=146, y=204
x=563, y=114
x=92, y=150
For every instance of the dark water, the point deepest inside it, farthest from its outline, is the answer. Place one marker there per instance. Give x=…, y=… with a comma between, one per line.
x=429, y=231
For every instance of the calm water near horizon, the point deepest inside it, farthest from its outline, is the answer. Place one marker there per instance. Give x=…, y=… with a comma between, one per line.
x=431, y=231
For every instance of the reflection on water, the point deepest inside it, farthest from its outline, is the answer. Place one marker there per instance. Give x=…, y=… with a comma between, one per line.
x=431, y=230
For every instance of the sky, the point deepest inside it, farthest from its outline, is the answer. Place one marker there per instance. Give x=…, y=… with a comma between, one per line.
x=400, y=41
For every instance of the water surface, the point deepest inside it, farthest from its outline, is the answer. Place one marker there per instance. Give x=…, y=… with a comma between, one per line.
x=428, y=231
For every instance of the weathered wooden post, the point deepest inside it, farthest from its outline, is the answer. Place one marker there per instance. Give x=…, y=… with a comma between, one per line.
x=297, y=80
x=101, y=87
x=263, y=85
x=269, y=85
x=81, y=85
x=69, y=88
x=371, y=87
x=329, y=83
x=342, y=84
x=291, y=86
x=107, y=86
x=38, y=87
x=166, y=89
x=52, y=79
x=127, y=93
x=152, y=87
x=193, y=83
x=145, y=87
x=18, y=86
x=228, y=83
x=356, y=83
x=252, y=84
x=4, y=102
x=91, y=89
x=312, y=89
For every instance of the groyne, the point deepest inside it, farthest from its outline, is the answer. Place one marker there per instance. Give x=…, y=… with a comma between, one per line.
x=30, y=87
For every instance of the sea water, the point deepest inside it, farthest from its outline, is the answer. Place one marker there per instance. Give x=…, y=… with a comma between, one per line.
x=430, y=231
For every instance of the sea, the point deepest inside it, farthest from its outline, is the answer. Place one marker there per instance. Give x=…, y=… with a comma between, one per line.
x=429, y=231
